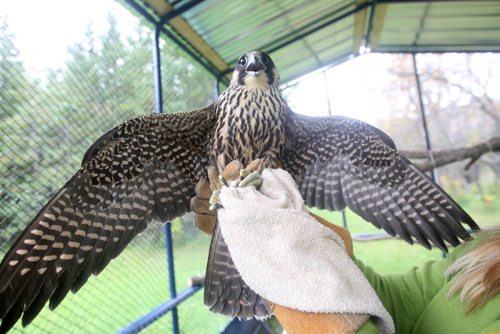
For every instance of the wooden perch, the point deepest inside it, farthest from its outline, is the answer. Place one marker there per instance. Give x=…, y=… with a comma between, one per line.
x=445, y=157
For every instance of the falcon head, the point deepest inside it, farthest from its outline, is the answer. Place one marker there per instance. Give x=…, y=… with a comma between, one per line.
x=255, y=70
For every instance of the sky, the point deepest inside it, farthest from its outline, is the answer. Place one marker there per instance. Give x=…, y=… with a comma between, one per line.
x=43, y=35
x=349, y=87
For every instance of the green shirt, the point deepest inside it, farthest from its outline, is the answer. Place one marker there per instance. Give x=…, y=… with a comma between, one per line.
x=418, y=303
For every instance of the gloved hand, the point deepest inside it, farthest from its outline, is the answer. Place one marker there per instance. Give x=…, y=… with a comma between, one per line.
x=298, y=322
x=292, y=320
x=284, y=255
x=203, y=218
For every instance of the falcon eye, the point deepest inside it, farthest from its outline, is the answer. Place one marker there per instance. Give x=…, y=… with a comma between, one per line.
x=242, y=61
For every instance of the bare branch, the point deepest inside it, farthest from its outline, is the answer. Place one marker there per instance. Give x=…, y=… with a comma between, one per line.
x=485, y=107
x=445, y=157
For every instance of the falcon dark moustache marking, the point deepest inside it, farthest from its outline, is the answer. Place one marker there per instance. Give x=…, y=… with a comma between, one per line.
x=147, y=169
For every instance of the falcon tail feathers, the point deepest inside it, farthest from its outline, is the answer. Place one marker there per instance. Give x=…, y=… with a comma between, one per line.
x=225, y=290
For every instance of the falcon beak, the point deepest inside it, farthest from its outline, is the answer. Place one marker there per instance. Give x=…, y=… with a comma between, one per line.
x=254, y=65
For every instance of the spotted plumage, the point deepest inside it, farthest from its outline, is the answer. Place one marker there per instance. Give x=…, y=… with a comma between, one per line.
x=143, y=170
x=252, y=107
x=147, y=168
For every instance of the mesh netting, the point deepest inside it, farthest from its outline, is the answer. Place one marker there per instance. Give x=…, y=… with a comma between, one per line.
x=49, y=117
x=461, y=103
x=462, y=107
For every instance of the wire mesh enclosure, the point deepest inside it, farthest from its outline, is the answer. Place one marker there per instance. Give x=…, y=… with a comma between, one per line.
x=47, y=123
x=461, y=105
x=54, y=105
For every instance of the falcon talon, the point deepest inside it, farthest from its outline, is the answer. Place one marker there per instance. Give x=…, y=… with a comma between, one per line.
x=244, y=173
x=253, y=179
x=214, y=201
x=215, y=207
x=223, y=180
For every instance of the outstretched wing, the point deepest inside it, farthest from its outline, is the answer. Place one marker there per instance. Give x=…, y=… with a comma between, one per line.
x=144, y=169
x=338, y=161
x=225, y=290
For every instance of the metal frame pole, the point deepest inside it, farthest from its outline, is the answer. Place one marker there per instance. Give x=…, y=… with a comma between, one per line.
x=156, y=313
x=167, y=228
x=327, y=94
x=217, y=87
x=171, y=275
x=157, y=72
x=344, y=217
x=434, y=174
x=428, y=144
x=368, y=36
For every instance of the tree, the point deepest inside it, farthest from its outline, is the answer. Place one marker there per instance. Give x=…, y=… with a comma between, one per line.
x=47, y=126
x=13, y=78
x=459, y=107
x=16, y=95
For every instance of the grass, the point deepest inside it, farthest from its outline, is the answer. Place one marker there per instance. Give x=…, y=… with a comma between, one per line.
x=395, y=255
x=136, y=281
x=131, y=286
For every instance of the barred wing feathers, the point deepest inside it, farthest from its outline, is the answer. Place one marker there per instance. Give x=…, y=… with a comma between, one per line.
x=144, y=169
x=339, y=162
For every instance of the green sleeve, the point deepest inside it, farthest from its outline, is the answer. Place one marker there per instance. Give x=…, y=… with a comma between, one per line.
x=406, y=296
x=494, y=328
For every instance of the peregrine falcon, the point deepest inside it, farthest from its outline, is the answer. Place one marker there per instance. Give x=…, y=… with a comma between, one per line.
x=146, y=169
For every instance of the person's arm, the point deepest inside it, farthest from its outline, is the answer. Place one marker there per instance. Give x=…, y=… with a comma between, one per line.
x=293, y=321
x=401, y=295
x=406, y=295
x=493, y=328
x=339, y=230
x=302, y=322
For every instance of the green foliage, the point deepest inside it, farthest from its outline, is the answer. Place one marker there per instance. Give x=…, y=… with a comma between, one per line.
x=13, y=77
x=46, y=125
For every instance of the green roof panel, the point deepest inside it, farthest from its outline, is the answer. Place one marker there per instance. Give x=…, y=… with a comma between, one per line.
x=305, y=35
